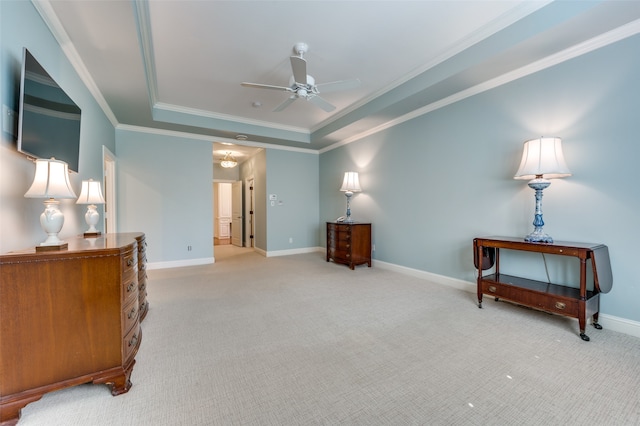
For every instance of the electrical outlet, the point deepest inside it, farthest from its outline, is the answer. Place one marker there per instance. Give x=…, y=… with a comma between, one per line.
x=373, y=247
x=188, y=248
x=290, y=240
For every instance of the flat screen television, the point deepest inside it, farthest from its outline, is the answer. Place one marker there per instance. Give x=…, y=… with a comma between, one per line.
x=48, y=120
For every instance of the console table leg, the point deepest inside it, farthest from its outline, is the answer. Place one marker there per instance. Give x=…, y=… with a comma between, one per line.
x=595, y=322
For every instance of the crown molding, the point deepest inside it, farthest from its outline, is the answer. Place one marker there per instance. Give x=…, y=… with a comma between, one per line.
x=212, y=139
x=225, y=117
x=603, y=40
x=44, y=8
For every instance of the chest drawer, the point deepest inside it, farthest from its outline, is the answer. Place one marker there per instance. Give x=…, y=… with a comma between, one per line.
x=131, y=342
x=129, y=315
x=129, y=286
x=349, y=243
x=129, y=262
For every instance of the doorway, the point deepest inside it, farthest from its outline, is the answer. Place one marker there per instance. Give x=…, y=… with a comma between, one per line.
x=222, y=215
x=109, y=185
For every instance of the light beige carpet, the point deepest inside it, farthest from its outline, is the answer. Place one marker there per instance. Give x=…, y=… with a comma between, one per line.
x=298, y=341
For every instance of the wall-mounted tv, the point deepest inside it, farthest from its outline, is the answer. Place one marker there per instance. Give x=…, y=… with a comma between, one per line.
x=48, y=121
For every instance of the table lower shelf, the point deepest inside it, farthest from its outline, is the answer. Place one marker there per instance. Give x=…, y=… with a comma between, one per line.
x=543, y=296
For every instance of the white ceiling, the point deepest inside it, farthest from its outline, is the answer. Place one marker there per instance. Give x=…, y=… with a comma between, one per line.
x=178, y=64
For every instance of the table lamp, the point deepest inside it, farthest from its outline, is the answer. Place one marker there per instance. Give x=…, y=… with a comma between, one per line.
x=542, y=159
x=51, y=181
x=91, y=194
x=350, y=184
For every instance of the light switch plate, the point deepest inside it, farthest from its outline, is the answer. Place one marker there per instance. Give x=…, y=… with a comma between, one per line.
x=9, y=121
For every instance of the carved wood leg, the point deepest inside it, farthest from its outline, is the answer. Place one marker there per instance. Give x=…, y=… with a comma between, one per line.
x=10, y=410
x=118, y=380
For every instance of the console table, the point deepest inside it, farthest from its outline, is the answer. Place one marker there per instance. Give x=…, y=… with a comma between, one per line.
x=573, y=302
x=69, y=317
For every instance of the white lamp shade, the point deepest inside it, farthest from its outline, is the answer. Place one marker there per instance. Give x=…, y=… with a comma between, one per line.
x=542, y=157
x=51, y=180
x=351, y=182
x=91, y=193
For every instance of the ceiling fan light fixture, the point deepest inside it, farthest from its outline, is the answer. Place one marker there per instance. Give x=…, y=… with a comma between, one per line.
x=302, y=85
x=228, y=161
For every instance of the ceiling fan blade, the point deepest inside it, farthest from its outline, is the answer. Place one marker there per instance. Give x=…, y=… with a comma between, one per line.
x=285, y=104
x=319, y=102
x=299, y=68
x=266, y=86
x=338, y=85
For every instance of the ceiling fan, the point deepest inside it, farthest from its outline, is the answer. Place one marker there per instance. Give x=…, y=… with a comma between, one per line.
x=303, y=86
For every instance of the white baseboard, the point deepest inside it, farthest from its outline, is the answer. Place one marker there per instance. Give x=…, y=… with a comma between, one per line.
x=438, y=279
x=608, y=322
x=620, y=325
x=180, y=263
x=292, y=251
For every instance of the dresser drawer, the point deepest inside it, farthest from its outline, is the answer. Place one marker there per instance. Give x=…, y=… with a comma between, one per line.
x=339, y=254
x=130, y=315
x=129, y=262
x=344, y=245
x=546, y=302
x=131, y=342
x=129, y=286
x=338, y=227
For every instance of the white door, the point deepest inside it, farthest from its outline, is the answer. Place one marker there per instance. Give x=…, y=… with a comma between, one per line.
x=236, y=213
x=109, y=185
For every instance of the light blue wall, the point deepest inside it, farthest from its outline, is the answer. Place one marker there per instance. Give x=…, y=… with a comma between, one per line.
x=164, y=189
x=434, y=183
x=293, y=177
x=21, y=26
x=429, y=185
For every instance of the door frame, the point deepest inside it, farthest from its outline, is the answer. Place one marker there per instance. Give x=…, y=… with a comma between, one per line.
x=237, y=214
x=249, y=212
x=109, y=221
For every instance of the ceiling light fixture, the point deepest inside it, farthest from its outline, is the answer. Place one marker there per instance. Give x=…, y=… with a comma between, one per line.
x=228, y=161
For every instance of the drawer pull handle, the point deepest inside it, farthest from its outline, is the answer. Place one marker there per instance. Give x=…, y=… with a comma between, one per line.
x=560, y=305
x=129, y=261
x=492, y=289
x=130, y=287
x=132, y=313
x=133, y=340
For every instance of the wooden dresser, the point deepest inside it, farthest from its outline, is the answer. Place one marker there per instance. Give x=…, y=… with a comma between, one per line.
x=349, y=243
x=69, y=317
